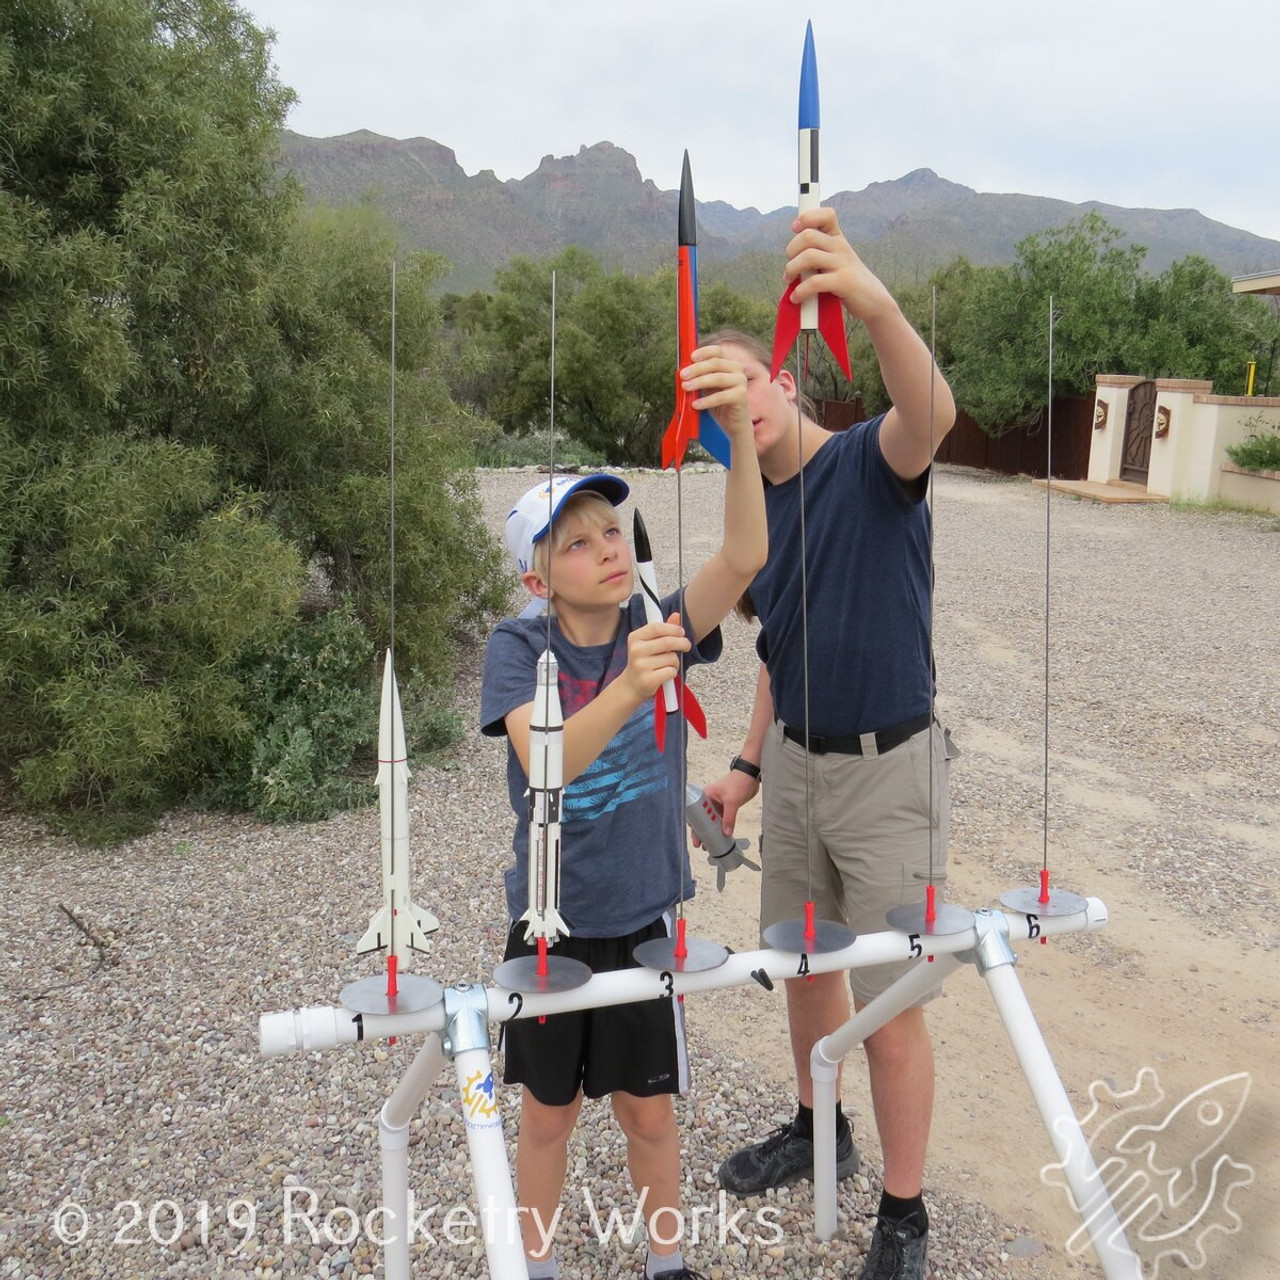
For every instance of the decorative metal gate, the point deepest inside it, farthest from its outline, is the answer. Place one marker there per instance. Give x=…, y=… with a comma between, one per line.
x=1139, y=419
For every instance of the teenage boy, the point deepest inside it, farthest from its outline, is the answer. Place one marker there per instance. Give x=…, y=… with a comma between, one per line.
x=862, y=775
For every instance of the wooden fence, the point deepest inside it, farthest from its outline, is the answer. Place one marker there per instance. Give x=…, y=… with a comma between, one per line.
x=1018, y=451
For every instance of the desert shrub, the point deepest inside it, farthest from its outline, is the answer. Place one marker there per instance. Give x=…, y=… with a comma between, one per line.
x=308, y=704
x=193, y=407
x=134, y=588
x=1260, y=450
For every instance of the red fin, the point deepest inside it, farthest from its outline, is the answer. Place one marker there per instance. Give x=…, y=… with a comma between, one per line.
x=692, y=708
x=831, y=326
x=682, y=428
x=660, y=721
x=786, y=329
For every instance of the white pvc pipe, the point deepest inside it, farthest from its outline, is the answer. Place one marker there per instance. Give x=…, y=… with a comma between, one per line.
x=324, y=1027
x=393, y=1144
x=393, y=1141
x=826, y=1087
x=1106, y=1233
x=824, y=1067
x=500, y=1223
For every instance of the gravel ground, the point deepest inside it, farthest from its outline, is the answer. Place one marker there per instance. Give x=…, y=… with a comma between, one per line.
x=133, y=979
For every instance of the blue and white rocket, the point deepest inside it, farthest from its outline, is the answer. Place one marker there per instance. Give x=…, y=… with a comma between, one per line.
x=821, y=314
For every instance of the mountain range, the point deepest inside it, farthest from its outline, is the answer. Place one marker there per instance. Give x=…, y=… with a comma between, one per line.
x=599, y=200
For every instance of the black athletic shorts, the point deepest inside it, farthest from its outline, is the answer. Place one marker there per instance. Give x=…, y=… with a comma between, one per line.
x=637, y=1048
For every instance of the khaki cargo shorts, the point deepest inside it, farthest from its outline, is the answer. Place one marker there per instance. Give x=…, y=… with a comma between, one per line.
x=870, y=831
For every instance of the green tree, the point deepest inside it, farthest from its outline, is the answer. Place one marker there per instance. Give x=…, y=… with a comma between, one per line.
x=318, y=439
x=999, y=347
x=615, y=353
x=1193, y=326
x=134, y=585
x=193, y=392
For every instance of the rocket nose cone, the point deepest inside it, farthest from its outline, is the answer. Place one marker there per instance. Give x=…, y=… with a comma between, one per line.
x=687, y=223
x=391, y=745
x=640, y=536
x=809, y=111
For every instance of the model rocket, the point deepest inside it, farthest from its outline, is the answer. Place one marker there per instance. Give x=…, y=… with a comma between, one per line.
x=822, y=314
x=398, y=926
x=674, y=694
x=723, y=851
x=546, y=783
x=687, y=423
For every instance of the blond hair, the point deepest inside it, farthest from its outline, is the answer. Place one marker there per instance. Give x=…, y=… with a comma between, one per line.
x=594, y=507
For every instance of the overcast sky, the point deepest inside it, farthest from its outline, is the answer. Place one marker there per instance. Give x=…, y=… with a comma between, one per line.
x=1151, y=103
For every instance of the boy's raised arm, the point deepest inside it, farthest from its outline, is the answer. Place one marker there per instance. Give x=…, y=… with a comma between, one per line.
x=923, y=409
x=721, y=385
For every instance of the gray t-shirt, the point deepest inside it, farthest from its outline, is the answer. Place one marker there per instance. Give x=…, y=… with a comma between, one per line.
x=624, y=859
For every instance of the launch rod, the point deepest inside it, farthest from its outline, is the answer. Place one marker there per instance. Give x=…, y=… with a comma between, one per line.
x=325, y=1027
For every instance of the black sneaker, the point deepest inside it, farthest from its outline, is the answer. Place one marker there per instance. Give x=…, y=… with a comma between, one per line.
x=897, y=1252
x=784, y=1157
x=683, y=1274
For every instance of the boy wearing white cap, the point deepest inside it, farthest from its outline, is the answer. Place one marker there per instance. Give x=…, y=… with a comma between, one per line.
x=625, y=860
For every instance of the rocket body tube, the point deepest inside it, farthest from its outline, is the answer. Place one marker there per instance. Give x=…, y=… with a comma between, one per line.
x=649, y=592
x=810, y=193
x=399, y=926
x=823, y=313
x=546, y=787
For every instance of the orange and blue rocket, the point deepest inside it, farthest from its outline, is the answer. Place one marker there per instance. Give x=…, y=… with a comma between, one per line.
x=687, y=423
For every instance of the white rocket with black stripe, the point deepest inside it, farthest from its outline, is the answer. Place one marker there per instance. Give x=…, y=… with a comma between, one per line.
x=546, y=787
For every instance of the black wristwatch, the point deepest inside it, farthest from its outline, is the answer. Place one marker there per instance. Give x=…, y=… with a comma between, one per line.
x=745, y=766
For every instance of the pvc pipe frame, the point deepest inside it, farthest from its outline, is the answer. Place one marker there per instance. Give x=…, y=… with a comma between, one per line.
x=824, y=1067
x=320, y=1027
x=446, y=1026
x=486, y=1145
x=994, y=960
x=393, y=1142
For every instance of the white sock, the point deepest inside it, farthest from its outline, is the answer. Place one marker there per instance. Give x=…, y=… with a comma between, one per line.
x=655, y=1264
x=543, y=1268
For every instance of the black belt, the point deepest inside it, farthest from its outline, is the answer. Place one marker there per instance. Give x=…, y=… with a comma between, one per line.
x=886, y=739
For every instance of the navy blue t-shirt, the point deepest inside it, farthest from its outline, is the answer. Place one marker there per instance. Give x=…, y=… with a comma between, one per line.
x=867, y=533
x=624, y=857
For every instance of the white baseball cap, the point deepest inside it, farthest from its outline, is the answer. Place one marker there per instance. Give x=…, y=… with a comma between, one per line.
x=531, y=517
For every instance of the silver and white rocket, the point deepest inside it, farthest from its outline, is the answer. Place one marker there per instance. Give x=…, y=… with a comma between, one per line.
x=546, y=784
x=398, y=926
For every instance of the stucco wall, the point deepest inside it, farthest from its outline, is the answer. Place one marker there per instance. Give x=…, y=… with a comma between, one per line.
x=1187, y=461
x=1250, y=488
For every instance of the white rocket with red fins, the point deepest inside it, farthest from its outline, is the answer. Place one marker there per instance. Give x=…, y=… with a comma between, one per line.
x=674, y=694
x=398, y=926
x=824, y=313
